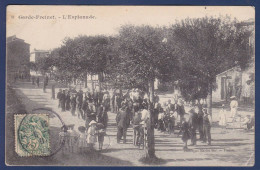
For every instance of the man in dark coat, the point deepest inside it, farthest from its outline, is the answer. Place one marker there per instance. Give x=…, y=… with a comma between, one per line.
x=179, y=108
x=73, y=104
x=100, y=97
x=91, y=112
x=122, y=121
x=59, y=97
x=200, y=120
x=85, y=107
x=106, y=104
x=63, y=100
x=67, y=101
x=102, y=116
x=79, y=101
x=193, y=126
x=118, y=101
x=95, y=98
x=206, y=127
x=33, y=79
x=156, y=111
x=38, y=81
x=45, y=83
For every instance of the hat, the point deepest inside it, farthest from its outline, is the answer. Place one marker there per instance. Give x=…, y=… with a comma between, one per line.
x=192, y=111
x=81, y=129
x=92, y=122
x=232, y=97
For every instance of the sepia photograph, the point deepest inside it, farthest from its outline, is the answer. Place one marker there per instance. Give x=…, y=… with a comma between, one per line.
x=90, y=85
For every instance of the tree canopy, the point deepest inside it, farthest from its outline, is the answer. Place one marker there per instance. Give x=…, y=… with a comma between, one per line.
x=206, y=47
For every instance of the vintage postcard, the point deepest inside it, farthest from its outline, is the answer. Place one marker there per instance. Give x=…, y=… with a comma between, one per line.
x=130, y=85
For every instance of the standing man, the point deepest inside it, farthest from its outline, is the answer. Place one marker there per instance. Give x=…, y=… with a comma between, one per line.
x=59, y=97
x=79, y=100
x=106, y=102
x=91, y=112
x=73, y=104
x=47, y=80
x=68, y=101
x=193, y=126
x=121, y=120
x=181, y=110
x=38, y=81
x=200, y=120
x=33, y=79
x=63, y=100
x=44, y=85
x=206, y=127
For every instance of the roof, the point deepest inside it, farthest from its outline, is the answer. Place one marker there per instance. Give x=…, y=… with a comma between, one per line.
x=40, y=51
x=14, y=38
x=233, y=68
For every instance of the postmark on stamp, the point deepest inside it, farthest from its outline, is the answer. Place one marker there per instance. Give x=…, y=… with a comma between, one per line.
x=32, y=135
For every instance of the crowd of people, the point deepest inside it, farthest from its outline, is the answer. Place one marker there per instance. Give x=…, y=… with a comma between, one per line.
x=166, y=118
x=133, y=109
x=92, y=107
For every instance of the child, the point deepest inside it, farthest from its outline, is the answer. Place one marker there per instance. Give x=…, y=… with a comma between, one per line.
x=92, y=135
x=82, y=138
x=223, y=119
x=101, y=134
x=185, y=132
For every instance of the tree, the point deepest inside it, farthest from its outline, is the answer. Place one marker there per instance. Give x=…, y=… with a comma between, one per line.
x=207, y=46
x=81, y=56
x=144, y=57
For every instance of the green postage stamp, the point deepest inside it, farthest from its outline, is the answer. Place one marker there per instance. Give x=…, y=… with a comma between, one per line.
x=32, y=134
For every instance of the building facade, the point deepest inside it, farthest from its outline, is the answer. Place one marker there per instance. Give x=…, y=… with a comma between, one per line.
x=18, y=58
x=37, y=54
x=236, y=81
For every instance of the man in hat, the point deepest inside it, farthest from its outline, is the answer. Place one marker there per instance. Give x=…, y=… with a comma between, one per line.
x=91, y=112
x=85, y=107
x=206, y=127
x=122, y=124
x=193, y=122
x=38, y=81
x=67, y=107
x=182, y=109
x=63, y=100
x=73, y=104
x=79, y=101
x=198, y=110
x=59, y=97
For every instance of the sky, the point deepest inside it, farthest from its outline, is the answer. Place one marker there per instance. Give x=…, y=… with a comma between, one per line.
x=46, y=34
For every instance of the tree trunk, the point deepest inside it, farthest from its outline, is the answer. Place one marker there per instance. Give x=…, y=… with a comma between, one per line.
x=92, y=83
x=150, y=149
x=100, y=79
x=209, y=99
